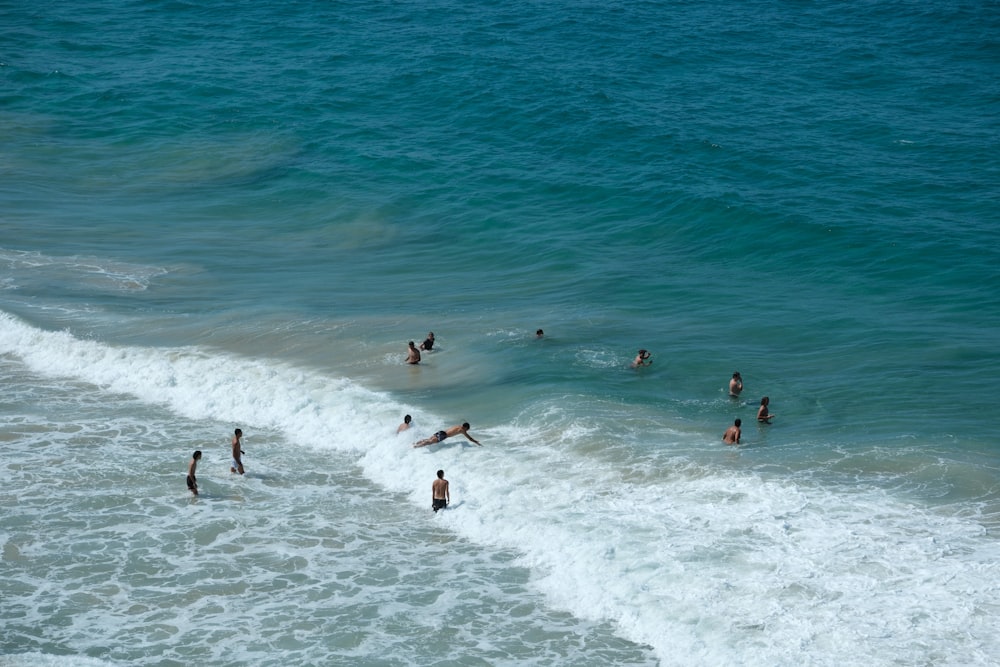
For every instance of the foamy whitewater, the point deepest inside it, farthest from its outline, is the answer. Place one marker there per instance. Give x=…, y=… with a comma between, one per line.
x=218, y=217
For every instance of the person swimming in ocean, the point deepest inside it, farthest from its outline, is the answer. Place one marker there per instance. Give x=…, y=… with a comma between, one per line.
x=441, y=436
x=428, y=343
x=407, y=422
x=640, y=359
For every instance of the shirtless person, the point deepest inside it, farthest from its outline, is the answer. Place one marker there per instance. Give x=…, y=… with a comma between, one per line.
x=237, y=464
x=428, y=343
x=640, y=359
x=440, y=436
x=732, y=434
x=405, y=425
x=764, y=416
x=440, y=495
x=736, y=384
x=413, y=354
x=192, y=480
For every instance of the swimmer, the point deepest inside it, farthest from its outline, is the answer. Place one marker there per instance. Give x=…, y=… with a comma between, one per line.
x=640, y=359
x=440, y=495
x=732, y=434
x=192, y=479
x=428, y=343
x=412, y=354
x=440, y=436
x=736, y=384
x=405, y=425
x=539, y=334
x=237, y=464
x=764, y=415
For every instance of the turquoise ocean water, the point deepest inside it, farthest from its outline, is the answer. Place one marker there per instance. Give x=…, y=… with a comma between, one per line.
x=221, y=215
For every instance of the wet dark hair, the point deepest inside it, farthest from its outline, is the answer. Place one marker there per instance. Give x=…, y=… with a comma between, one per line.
x=738, y=422
x=197, y=454
x=239, y=431
x=441, y=473
x=407, y=419
x=465, y=425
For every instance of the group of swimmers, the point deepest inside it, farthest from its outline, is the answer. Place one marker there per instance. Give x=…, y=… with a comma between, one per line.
x=413, y=352
x=440, y=436
x=439, y=492
x=236, y=466
x=734, y=433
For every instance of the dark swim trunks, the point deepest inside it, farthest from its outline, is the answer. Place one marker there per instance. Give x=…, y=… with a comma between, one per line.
x=439, y=504
x=441, y=436
x=191, y=483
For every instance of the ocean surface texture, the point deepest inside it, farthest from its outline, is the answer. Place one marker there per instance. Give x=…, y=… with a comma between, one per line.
x=236, y=215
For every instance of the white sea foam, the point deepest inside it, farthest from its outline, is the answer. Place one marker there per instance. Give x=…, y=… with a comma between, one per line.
x=97, y=274
x=105, y=553
x=706, y=564
x=35, y=659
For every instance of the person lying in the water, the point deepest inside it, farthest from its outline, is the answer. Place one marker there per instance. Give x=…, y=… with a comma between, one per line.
x=440, y=436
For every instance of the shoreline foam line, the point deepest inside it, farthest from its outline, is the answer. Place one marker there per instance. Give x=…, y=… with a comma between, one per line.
x=708, y=564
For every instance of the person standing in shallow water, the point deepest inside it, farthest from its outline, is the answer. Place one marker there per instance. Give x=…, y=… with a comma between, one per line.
x=764, y=415
x=192, y=479
x=428, y=343
x=440, y=495
x=736, y=384
x=732, y=434
x=412, y=354
x=237, y=464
